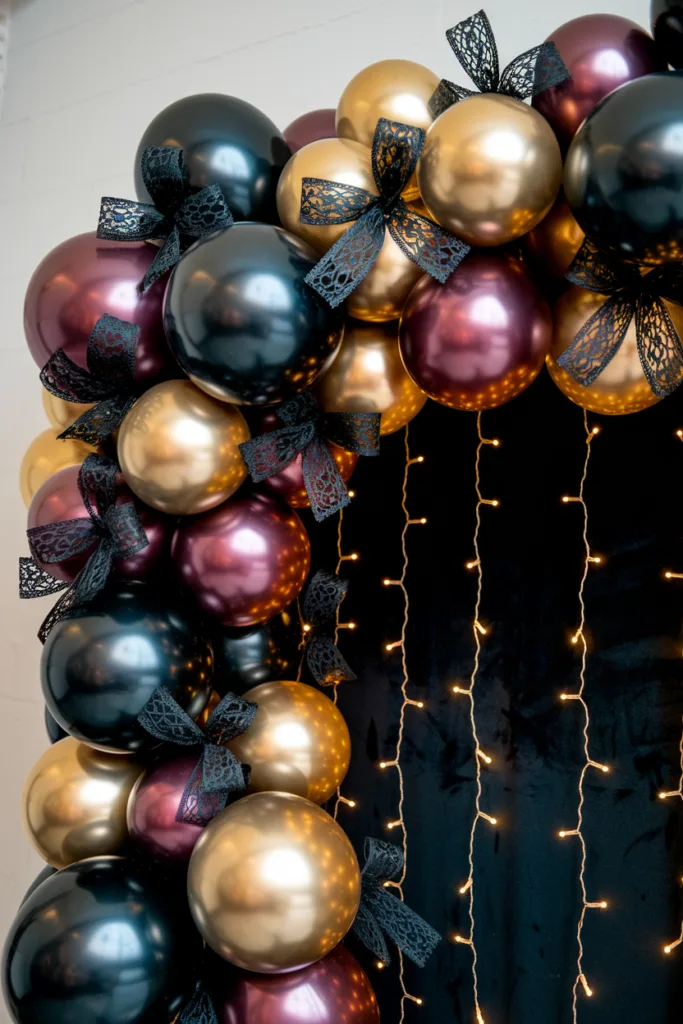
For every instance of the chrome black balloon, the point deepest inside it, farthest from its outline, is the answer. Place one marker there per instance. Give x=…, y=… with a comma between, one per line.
x=667, y=28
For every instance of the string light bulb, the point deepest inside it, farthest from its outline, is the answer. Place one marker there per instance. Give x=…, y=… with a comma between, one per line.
x=341, y=558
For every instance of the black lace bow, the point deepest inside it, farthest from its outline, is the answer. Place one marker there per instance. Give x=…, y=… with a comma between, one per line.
x=218, y=776
x=381, y=912
x=396, y=149
x=200, y=1009
x=176, y=214
x=473, y=43
x=108, y=380
x=307, y=431
x=325, y=593
x=630, y=295
x=115, y=530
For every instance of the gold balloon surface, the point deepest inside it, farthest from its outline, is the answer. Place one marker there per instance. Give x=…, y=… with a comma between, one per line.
x=45, y=455
x=298, y=743
x=74, y=802
x=382, y=293
x=178, y=449
x=552, y=245
x=273, y=883
x=622, y=386
x=62, y=414
x=368, y=376
x=490, y=169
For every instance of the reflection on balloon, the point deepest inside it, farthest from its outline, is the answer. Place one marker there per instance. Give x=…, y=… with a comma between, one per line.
x=247, y=656
x=316, y=124
x=62, y=414
x=152, y=810
x=273, y=883
x=47, y=872
x=382, y=293
x=46, y=455
x=553, y=244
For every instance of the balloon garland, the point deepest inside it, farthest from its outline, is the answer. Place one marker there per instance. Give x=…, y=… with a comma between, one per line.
x=305, y=297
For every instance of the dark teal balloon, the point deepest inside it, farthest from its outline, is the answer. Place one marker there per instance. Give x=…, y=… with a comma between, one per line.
x=46, y=873
x=53, y=728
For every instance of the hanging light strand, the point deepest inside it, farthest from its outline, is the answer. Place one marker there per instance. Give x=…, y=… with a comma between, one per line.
x=667, y=794
x=341, y=558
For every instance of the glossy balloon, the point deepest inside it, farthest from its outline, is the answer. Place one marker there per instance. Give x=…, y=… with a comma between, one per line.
x=601, y=52
x=62, y=414
x=480, y=339
x=54, y=731
x=273, y=883
x=60, y=499
x=99, y=941
x=298, y=743
x=225, y=141
x=74, y=802
x=245, y=657
x=667, y=27
x=77, y=283
x=48, y=454
x=100, y=667
x=241, y=320
x=553, y=244
x=316, y=124
x=245, y=561
x=179, y=449
x=152, y=810
x=47, y=872
x=368, y=376
x=624, y=171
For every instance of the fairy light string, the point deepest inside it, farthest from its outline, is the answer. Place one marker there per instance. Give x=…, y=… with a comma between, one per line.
x=339, y=625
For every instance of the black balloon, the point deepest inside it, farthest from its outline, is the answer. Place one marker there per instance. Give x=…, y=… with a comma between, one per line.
x=252, y=655
x=53, y=728
x=99, y=942
x=241, y=320
x=667, y=28
x=101, y=664
x=47, y=872
x=225, y=141
x=624, y=171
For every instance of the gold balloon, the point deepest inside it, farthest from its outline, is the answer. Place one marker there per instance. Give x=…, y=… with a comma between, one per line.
x=45, y=455
x=622, y=386
x=298, y=742
x=553, y=244
x=273, y=883
x=178, y=449
x=490, y=169
x=368, y=376
x=74, y=802
x=382, y=293
x=62, y=414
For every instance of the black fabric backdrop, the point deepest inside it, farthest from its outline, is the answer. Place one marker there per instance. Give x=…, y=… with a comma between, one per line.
x=527, y=897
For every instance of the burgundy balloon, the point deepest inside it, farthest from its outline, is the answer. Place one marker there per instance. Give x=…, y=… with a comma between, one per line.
x=479, y=339
x=601, y=52
x=317, y=124
x=77, y=283
x=152, y=809
x=333, y=990
x=244, y=561
x=59, y=499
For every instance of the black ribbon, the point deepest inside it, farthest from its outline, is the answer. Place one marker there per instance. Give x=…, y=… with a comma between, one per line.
x=176, y=214
x=630, y=295
x=108, y=380
x=218, y=776
x=473, y=43
x=114, y=530
x=396, y=149
x=200, y=1009
x=381, y=912
x=325, y=593
x=307, y=431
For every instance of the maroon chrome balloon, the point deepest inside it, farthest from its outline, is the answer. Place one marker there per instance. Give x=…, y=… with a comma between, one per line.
x=601, y=52
x=244, y=561
x=480, y=339
x=335, y=990
x=59, y=499
x=316, y=124
x=80, y=280
x=152, y=809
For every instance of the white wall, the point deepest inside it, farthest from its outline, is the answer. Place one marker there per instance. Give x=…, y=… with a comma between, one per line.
x=84, y=79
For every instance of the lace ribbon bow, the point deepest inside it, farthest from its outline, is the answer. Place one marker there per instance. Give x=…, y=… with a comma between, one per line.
x=630, y=295
x=307, y=431
x=108, y=380
x=176, y=214
x=200, y=1009
x=381, y=912
x=325, y=593
x=115, y=530
x=218, y=776
x=473, y=43
x=396, y=149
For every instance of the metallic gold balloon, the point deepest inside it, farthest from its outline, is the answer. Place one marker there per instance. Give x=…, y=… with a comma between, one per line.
x=368, y=376
x=45, y=455
x=178, y=449
x=273, y=883
x=382, y=293
x=298, y=742
x=490, y=169
x=74, y=802
x=552, y=245
x=62, y=414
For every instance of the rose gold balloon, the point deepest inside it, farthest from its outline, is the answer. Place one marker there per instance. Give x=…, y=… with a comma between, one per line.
x=490, y=169
x=179, y=449
x=552, y=245
x=368, y=376
x=62, y=414
x=46, y=455
x=273, y=883
x=74, y=802
x=298, y=743
x=153, y=808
